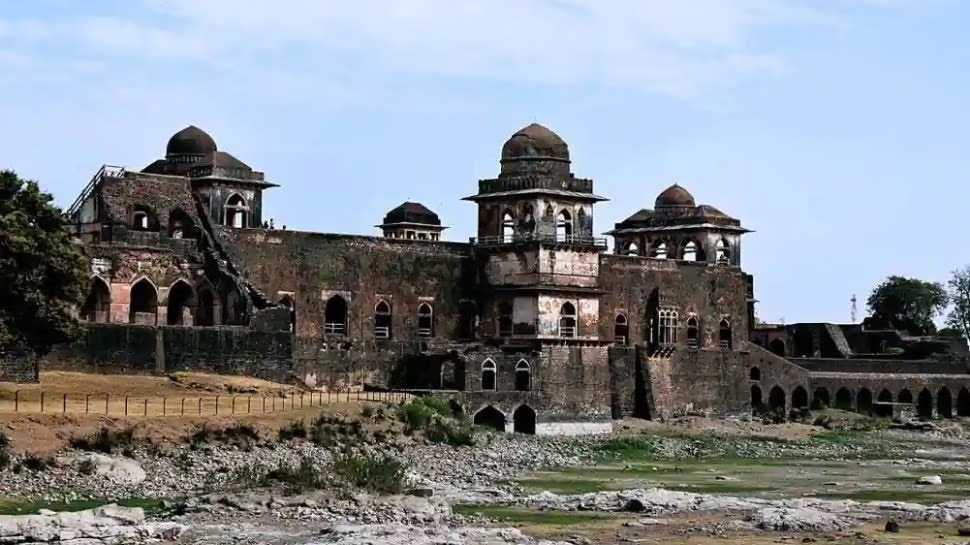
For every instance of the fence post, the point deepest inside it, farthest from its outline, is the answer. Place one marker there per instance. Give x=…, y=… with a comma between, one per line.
x=328, y=396
x=217, y=405
x=301, y=400
x=16, y=401
x=200, y=405
x=164, y=406
x=249, y=404
x=183, y=406
x=126, y=405
x=106, y=398
x=87, y=403
x=233, y=404
x=42, y=402
x=64, y=404
x=264, y=404
x=274, y=404
x=146, y=407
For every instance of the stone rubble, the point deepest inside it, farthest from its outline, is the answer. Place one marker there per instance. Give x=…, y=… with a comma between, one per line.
x=106, y=525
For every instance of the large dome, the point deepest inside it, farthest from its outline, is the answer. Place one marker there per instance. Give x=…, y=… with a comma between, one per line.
x=190, y=141
x=674, y=196
x=535, y=142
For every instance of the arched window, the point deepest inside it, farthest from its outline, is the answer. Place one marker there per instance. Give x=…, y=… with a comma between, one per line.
x=143, y=304
x=724, y=334
x=658, y=250
x=621, y=330
x=180, y=225
x=382, y=320
x=505, y=319
x=97, y=306
x=722, y=251
x=690, y=251
x=567, y=320
x=631, y=248
x=693, y=332
x=143, y=219
x=488, y=375
x=425, y=320
x=523, y=376
x=667, y=326
x=508, y=226
x=181, y=300
x=564, y=226
x=754, y=374
x=237, y=211
x=581, y=220
x=335, y=316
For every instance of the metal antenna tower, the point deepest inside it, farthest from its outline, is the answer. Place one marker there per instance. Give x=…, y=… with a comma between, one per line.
x=853, y=301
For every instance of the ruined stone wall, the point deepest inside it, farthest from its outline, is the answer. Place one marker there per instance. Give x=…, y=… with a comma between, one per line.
x=18, y=368
x=711, y=292
x=891, y=366
x=138, y=349
x=312, y=267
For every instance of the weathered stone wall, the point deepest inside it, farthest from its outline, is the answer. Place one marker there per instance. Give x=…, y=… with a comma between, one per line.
x=136, y=349
x=891, y=366
x=710, y=292
x=312, y=267
x=18, y=368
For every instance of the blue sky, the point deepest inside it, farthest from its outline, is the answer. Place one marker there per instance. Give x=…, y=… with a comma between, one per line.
x=837, y=129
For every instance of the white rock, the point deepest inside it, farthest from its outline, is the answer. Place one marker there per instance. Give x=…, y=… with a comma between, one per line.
x=117, y=470
x=930, y=480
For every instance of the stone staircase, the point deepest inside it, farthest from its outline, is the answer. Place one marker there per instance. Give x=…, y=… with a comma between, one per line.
x=838, y=337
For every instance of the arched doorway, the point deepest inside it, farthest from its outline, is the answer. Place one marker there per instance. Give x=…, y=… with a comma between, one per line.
x=776, y=399
x=905, y=396
x=777, y=347
x=97, y=306
x=924, y=404
x=963, y=402
x=820, y=399
x=490, y=417
x=799, y=398
x=863, y=401
x=843, y=399
x=883, y=410
x=756, y=400
x=180, y=301
x=205, y=314
x=944, y=403
x=335, y=316
x=143, y=305
x=524, y=420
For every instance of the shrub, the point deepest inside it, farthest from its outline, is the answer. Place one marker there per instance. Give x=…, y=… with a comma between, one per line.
x=459, y=434
x=436, y=405
x=86, y=467
x=367, y=411
x=242, y=436
x=106, y=440
x=35, y=462
x=377, y=473
x=304, y=476
x=414, y=415
x=294, y=430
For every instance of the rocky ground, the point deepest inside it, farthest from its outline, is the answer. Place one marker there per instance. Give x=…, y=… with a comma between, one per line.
x=215, y=491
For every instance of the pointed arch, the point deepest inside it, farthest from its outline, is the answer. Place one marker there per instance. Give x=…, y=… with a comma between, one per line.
x=905, y=396
x=693, y=332
x=756, y=398
x=97, y=305
x=777, y=399
x=383, y=320
x=799, y=398
x=236, y=211
x=944, y=403
x=489, y=375
x=524, y=420
x=658, y=250
x=777, y=347
x=924, y=404
x=881, y=408
x=722, y=251
x=621, y=329
x=143, y=302
x=724, y=334
x=335, y=315
x=863, y=401
x=180, y=302
x=523, y=376
x=820, y=399
x=754, y=374
x=564, y=226
x=630, y=247
x=490, y=417
x=508, y=225
x=425, y=320
x=692, y=251
x=567, y=320
x=205, y=311
x=843, y=399
x=180, y=225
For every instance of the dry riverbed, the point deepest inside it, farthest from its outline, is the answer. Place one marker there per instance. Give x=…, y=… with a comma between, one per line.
x=366, y=477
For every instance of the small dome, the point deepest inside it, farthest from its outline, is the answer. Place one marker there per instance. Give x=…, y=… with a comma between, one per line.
x=674, y=196
x=535, y=141
x=412, y=212
x=190, y=141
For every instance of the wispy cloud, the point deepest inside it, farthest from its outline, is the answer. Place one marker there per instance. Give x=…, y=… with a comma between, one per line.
x=682, y=48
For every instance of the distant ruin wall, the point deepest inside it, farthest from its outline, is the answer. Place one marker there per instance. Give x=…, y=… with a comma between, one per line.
x=18, y=368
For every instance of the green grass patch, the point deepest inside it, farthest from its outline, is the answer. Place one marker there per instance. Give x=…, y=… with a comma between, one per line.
x=521, y=515
x=567, y=486
x=14, y=507
x=896, y=494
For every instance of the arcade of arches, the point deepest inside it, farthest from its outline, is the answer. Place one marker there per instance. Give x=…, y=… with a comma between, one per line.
x=523, y=419
x=180, y=304
x=925, y=403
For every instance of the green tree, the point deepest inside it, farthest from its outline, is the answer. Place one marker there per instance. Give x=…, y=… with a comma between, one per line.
x=959, y=288
x=43, y=274
x=908, y=304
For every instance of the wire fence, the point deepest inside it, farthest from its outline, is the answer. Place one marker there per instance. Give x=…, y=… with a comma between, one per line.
x=23, y=401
